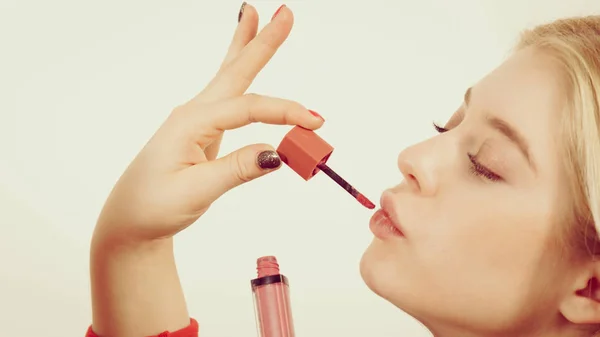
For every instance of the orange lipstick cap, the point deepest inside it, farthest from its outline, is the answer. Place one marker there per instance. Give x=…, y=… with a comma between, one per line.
x=302, y=150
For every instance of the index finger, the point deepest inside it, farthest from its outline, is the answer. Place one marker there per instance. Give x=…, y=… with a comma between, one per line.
x=236, y=77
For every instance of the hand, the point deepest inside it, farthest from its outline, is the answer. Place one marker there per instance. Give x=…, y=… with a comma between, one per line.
x=176, y=176
x=173, y=181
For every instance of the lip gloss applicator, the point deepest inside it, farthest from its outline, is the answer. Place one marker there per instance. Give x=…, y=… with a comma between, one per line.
x=306, y=153
x=270, y=290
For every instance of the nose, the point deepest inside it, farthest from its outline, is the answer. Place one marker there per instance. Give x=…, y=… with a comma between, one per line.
x=422, y=164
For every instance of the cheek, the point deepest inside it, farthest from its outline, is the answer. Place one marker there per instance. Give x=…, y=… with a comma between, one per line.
x=506, y=238
x=480, y=222
x=459, y=258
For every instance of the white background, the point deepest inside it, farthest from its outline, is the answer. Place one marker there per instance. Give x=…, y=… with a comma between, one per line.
x=83, y=85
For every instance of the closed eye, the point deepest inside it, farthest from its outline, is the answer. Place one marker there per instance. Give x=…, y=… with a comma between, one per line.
x=439, y=129
x=476, y=168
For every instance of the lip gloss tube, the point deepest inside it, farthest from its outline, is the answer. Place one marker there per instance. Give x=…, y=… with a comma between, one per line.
x=271, y=296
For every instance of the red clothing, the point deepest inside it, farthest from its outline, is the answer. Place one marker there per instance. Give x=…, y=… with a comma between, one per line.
x=189, y=331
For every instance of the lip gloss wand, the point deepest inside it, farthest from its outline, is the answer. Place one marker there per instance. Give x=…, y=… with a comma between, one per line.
x=306, y=153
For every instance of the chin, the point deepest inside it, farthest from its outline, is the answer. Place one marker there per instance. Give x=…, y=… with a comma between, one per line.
x=383, y=272
x=377, y=269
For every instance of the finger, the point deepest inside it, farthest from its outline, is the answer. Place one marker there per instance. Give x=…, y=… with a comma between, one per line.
x=237, y=76
x=251, y=108
x=241, y=166
x=244, y=33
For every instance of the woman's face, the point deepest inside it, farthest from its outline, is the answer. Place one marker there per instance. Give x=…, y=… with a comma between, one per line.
x=481, y=208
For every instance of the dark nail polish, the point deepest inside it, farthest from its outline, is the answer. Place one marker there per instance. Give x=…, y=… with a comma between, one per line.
x=268, y=160
x=241, y=11
x=316, y=114
x=277, y=11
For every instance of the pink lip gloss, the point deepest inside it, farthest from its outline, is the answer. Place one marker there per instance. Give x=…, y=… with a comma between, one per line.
x=272, y=300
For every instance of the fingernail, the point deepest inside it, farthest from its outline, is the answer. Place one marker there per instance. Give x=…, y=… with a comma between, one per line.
x=316, y=114
x=241, y=11
x=268, y=160
x=277, y=12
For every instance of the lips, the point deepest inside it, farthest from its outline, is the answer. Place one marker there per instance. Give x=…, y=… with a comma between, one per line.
x=388, y=207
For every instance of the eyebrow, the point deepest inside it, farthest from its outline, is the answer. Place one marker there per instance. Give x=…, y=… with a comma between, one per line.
x=508, y=131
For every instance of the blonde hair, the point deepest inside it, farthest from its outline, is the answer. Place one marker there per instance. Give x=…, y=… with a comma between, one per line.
x=575, y=43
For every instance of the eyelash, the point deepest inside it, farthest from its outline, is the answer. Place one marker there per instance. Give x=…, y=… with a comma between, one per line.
x=476, y=168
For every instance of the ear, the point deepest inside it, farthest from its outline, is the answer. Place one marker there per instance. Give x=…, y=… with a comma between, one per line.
x=582, y=303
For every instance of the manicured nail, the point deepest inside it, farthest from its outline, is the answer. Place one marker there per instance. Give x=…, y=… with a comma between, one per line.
x=316, y=114
x=268, y=160
x=277, y=12
x=241, y=11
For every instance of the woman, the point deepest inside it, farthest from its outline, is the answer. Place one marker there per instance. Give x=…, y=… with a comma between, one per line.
x=492, y=232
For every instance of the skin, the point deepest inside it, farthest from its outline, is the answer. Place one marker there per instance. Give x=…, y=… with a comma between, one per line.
x=173, y=181
x=479, y=258
x=481, y=254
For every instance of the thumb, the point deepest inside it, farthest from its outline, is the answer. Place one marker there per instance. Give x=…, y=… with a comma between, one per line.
x=238, y=167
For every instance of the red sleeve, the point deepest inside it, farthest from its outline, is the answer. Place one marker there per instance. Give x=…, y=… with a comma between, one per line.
x=189, y=331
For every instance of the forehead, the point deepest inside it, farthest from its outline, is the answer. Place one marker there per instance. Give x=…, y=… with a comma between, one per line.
x=525, y=91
